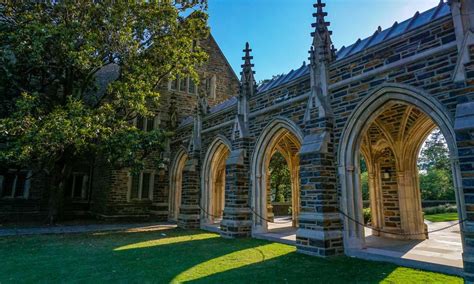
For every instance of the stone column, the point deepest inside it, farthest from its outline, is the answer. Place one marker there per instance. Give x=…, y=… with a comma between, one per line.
x=376, y=201
x=463, y=167
x=295, y=189
x=237, y=220
x=270, y=214
x=189, y=209
x=320, y=227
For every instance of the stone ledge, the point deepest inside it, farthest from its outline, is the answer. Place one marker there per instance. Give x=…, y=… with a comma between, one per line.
x=315, y=143
x=236, y=157
x=464, y=120
x=236, y=223
x=319, y=216
x=194, y=217
x=237, y=210
x=318, y=235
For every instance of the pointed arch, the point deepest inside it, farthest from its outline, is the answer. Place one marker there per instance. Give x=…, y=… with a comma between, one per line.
x=276, y=130
x=213, y=179
x=349, y=146
x=175, y=186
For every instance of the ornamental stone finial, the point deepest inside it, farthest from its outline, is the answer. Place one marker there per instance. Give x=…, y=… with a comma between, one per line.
x=248, y=88
x=247, y=81
x=322, y=43
x=321, y=54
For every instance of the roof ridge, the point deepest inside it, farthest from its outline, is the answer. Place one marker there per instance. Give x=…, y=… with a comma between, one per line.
x=392, y=32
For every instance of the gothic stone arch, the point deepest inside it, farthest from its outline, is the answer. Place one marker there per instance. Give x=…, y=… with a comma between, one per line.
x=276, y=131
x=213, y=180
x=350, y=145
x=176, y=179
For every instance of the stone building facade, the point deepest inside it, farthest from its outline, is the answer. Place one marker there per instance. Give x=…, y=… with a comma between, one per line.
x=378, y=98
x=95, y=188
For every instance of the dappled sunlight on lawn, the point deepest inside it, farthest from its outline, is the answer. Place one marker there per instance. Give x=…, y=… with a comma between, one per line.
x=165, y=240
x=408, y=275
x=234, y=260
x=140, y=229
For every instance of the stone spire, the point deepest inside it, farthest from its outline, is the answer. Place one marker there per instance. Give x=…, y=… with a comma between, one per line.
x=462, y=12
x=321, y=54
x=202, y=109
x=248, y=88
x=322, y=43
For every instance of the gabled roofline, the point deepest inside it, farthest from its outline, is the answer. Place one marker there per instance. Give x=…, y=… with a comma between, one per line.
x=211, y=37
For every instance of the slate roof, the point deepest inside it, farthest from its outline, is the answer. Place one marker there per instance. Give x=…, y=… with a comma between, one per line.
x=283, y=79
x=225, y=104
x=380, y=36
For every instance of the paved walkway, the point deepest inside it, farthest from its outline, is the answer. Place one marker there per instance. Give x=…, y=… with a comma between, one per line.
x=443, y=247
x=69, y=229
x=442, y=252
x=282, y=231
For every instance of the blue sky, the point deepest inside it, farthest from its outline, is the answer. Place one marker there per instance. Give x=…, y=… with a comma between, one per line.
x=279, y=30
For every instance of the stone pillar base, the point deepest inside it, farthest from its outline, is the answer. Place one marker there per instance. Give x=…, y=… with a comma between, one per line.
x=319, y=235
x=237, y=220
x=236, y=223
x=189, y=217
x=189, y=211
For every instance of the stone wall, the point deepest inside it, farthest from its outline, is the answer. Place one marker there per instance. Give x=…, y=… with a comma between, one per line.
x=389, y=187
x=35, y=207
x=424, y=58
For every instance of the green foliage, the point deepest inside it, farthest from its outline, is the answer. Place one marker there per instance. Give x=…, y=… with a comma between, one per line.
x=436, y=179
x=280, y=179
x=434, y=154
x=446, y=208
x=56, y=104
x=437, y=184
x=367, y=215
x=364, y=181
x=51, y=55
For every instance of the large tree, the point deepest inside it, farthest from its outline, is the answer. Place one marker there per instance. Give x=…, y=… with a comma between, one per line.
x=436, y=179
x=434, y=153
x=280, y=178
x=74, y=74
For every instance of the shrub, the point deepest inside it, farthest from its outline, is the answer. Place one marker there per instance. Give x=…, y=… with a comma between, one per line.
x=446, y=208
x=367, y=215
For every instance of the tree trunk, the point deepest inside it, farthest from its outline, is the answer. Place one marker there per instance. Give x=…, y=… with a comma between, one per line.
x=56, y=198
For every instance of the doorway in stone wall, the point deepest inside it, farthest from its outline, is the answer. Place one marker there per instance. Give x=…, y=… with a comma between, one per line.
x=276, y=186
x=176, y=181
x=380, y=153
x=213, y=184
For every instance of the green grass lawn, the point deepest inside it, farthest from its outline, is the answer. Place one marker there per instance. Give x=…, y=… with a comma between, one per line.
x=175, y=255
x=442, y=217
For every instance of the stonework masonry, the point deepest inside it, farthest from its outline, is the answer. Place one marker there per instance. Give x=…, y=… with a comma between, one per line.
x=379, y=98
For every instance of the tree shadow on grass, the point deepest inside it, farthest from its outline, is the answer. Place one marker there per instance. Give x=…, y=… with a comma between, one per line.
x=297, y=268
x=124, y=257
x=172, y=256
x=162, y=262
